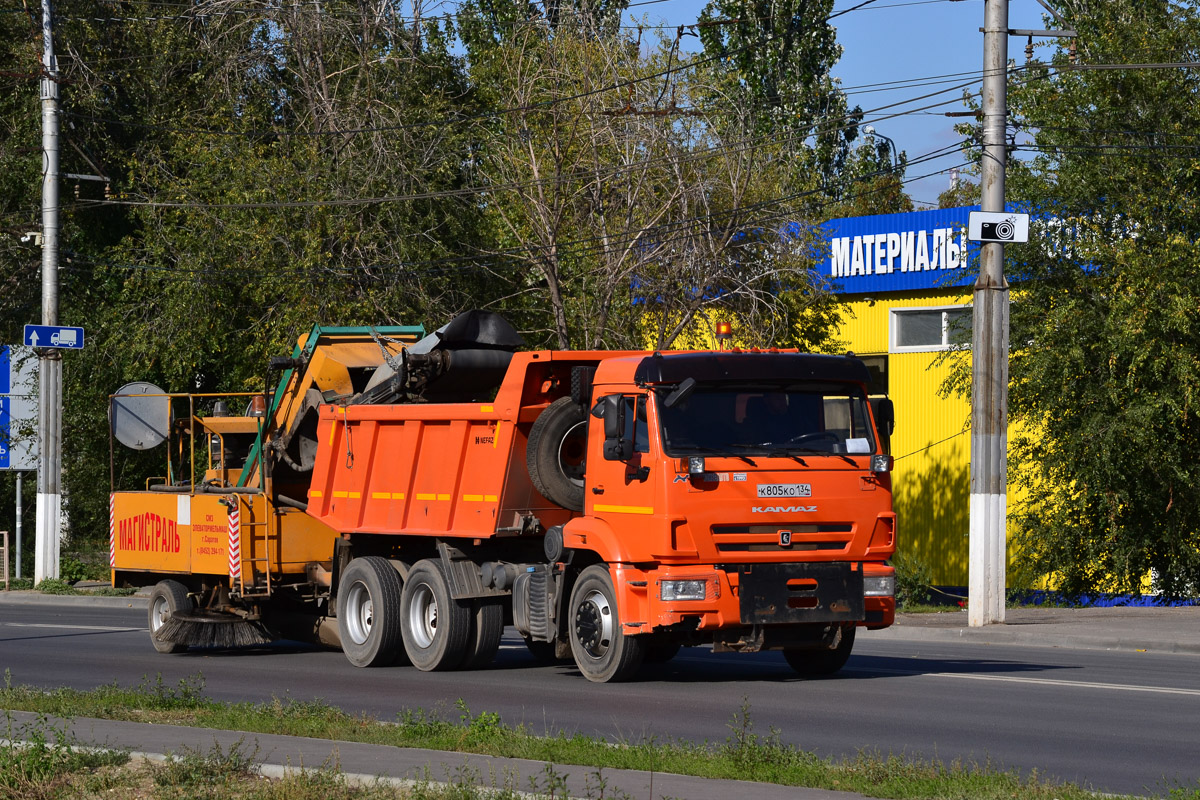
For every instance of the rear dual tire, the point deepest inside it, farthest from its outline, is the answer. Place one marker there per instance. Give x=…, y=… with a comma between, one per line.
x=368, y=612
x=437, y=628
x=383, y=620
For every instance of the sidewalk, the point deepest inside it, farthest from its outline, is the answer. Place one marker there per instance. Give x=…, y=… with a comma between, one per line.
x=364, y=763
x=1155, y=630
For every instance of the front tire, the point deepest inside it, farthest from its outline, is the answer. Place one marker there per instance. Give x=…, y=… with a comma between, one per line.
x=819, y=663
x=602, y=651
x=662, y=652
x=437, y=627
x=368, y=612
x=167, y=598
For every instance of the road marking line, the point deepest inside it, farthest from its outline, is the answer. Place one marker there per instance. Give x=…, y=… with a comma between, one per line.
x=68, y=627
x=1040, y=681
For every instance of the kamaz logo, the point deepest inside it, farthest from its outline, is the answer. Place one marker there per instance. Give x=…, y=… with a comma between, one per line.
x=783, y=509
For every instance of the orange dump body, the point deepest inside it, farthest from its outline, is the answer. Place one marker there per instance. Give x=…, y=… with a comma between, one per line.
x=444, y=469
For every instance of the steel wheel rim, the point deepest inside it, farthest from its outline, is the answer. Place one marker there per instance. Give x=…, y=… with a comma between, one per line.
x=423, y=616
x=159, y=613
x=360, y=613
x=572, y=453
x=594, y=624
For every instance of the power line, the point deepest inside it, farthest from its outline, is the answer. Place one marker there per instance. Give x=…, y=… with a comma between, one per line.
x=660, y=236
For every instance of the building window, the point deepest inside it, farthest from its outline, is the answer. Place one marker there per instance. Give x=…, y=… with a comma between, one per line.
x=877, y=366
x=924, y=329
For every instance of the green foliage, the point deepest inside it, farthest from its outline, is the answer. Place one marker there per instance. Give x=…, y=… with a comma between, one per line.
x=55, y=586
x=1105, y=365
x=914, y=578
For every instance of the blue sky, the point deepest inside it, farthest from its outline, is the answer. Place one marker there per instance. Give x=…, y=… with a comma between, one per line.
x=902, y=40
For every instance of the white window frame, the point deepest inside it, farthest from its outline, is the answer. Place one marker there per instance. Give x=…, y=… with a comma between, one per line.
x=894, y=333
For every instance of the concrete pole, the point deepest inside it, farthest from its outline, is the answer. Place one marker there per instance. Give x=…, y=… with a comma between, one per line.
x=45, y=564
x=989, y=358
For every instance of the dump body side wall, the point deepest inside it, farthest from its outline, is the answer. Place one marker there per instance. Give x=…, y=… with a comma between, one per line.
x=440, y=469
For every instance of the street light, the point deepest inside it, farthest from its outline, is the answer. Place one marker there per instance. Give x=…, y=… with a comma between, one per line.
x=869, y=130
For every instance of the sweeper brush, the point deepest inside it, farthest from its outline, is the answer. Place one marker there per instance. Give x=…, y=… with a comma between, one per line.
x=212, y=629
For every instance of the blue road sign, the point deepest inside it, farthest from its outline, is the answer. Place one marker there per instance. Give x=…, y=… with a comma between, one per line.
x=54, y=336
x=5, y=424
x=18, y=408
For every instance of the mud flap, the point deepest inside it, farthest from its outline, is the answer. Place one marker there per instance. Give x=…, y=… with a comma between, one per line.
x=785, y=594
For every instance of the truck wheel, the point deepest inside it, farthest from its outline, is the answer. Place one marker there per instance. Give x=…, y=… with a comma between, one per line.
x=602, y=651
x=487, y=626
x=437, y=627
x=662, y=653
x=167, y=598
x=556, y=454
x=815, y=663
x=368, y=612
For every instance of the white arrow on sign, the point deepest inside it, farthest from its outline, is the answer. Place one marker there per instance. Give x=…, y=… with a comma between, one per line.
x=33, y=339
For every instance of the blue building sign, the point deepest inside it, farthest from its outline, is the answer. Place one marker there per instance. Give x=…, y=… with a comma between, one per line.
x=900, y=252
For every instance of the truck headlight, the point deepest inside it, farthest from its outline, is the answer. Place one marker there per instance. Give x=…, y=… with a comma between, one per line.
x=881, y=463
x=879, y=586
x=688, y=589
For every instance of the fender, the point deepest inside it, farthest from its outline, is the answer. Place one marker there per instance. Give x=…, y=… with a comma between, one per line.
x=630, y=582
x=596, y=535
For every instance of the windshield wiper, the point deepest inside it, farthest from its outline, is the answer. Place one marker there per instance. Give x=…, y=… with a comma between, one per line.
x=716, y=451
x=811, y=452
x=786, y=454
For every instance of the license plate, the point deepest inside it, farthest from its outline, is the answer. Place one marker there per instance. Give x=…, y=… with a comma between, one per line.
x=784, y=490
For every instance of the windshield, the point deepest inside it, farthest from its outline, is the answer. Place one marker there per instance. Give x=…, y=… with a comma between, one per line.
x=767, y=420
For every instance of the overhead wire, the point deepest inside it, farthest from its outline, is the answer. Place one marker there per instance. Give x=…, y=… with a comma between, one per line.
x=671, y=231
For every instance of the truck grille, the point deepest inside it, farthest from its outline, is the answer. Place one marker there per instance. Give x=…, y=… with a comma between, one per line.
x=827, y=538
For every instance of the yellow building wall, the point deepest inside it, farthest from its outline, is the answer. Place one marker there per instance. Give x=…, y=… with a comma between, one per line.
x=931, y=443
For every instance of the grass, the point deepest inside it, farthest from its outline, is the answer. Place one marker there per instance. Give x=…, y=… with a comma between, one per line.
x=746, y=754
x=59, y=586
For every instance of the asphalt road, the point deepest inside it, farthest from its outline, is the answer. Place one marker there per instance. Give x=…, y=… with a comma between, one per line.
x=1117, y=721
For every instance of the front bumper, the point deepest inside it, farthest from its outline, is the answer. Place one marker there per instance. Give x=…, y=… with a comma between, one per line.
x=742, y=595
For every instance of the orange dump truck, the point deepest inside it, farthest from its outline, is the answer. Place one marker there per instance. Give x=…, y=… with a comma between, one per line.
x=411, y=499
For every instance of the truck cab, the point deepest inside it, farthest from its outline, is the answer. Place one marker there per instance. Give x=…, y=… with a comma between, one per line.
x=742, y=499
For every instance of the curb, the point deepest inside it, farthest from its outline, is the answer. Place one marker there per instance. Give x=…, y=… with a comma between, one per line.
x=32, y=598
x=993, y=635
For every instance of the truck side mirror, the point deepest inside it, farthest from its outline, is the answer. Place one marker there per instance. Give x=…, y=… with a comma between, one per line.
x=887, y=415
x=681, y=393
x=611, y=408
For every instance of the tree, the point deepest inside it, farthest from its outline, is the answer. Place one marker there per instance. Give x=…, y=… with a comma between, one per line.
x=779, y=53
x=1105, y=365
x=637, y=189
x=270, y=168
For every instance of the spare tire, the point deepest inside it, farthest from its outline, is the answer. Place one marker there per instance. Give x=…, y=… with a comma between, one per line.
x=556, y=454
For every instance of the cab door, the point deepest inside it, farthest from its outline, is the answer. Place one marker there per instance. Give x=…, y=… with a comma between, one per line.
x=621, y=488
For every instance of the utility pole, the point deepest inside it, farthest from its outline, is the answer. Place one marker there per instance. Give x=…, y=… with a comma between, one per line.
x=45, y=563
x=989, y=341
